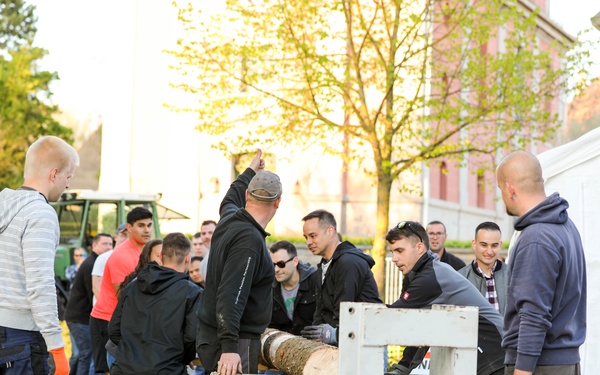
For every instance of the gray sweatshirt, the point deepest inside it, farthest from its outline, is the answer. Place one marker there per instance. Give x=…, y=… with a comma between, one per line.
x=29, y=234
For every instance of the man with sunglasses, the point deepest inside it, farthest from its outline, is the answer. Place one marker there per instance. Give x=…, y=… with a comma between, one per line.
x=427, y=282
x=344, y=271
x=294, y=289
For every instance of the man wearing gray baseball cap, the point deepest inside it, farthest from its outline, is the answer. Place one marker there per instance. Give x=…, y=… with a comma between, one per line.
x=235, y=307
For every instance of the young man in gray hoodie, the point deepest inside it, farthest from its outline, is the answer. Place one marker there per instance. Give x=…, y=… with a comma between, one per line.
x=29, y=233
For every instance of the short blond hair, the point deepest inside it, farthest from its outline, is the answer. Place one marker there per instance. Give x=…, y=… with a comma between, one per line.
x=49, y=152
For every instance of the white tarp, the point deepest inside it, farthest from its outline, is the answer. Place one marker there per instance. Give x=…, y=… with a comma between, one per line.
x=573, y=170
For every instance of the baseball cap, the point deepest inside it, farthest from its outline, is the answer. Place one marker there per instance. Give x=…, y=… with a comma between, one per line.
x=121, y=228
x=265, y=186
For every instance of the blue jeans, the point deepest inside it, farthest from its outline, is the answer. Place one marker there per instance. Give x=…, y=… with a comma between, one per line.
x=83, y=340
x=22, y=352
x=74, y=354
x=110, y=359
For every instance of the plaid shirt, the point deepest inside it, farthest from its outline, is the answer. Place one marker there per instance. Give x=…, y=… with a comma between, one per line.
x=490, y=294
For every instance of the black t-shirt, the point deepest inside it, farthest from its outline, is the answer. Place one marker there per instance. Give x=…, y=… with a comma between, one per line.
x=81, y=299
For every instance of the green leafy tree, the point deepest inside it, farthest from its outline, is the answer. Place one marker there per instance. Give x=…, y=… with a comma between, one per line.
x=17, y=23
x=25, y=112
x=397, y=84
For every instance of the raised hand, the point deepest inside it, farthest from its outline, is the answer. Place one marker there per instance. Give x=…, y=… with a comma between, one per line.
x=257, y=164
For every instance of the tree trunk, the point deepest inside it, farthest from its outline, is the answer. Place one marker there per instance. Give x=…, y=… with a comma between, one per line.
x=296, y=355
x=384, y=185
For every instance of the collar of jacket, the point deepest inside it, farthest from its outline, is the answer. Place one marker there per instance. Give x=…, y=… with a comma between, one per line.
x=246, y=215
x=427, y=257
x=497, y=267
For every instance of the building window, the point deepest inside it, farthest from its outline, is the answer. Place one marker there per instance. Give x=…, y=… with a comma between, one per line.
x=443, y=181
x=480, y=191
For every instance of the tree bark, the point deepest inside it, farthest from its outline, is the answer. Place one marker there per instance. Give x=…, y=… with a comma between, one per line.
x=384, y=187
x=295, y=355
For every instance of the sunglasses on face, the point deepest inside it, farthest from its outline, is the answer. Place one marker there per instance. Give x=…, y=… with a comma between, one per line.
x=409, y=226
x=281, y=263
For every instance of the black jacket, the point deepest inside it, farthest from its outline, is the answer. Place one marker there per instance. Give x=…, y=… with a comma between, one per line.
x=431, y=282
x=241, y=269
x=348, y=279
x=452, y=260
x=304, y=305
x=154, y=324
x=81, y=297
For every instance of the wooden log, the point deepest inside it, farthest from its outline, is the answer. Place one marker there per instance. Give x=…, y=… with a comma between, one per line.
x=295, y=355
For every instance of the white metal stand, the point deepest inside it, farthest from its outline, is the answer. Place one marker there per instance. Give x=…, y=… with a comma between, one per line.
x=450, y=331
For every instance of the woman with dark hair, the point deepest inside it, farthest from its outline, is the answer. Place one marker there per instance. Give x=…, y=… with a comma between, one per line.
x=150, y=253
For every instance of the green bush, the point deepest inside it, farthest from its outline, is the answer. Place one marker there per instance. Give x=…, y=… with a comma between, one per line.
x=364, y=241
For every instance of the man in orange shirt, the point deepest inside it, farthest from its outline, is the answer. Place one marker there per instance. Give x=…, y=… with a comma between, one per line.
x=120, y=264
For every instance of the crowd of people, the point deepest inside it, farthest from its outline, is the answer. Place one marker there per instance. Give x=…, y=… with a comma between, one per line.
x=152, y=306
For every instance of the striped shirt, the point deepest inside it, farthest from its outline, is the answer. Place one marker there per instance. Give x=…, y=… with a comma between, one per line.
x=29, y=235
x=490, y=294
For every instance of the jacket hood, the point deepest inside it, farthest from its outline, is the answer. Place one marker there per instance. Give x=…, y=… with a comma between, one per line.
x=348, y=248
x=552, y=210
x=13, y=201
x=305, y=270
x=153, y=278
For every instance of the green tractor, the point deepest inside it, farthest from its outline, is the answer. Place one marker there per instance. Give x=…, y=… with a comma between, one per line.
x=84, y=213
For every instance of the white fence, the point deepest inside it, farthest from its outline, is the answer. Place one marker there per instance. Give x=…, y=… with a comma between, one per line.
x=393, y=282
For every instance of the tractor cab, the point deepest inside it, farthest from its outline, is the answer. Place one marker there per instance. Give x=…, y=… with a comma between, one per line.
x=84, y=213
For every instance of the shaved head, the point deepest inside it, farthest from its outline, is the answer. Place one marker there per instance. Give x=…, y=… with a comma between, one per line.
x=523, y=170
x=519, y=177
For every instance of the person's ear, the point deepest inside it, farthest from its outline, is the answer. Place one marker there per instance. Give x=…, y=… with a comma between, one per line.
x=421, y=248
x=277, y=202
x=510, y=188
x=53, y=174
x=473, y=242
x=330, y=231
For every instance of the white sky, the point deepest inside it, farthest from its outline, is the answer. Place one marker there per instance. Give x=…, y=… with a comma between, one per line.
x=77, y=33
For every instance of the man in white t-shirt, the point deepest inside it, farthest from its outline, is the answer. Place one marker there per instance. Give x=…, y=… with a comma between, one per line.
x=98, y=269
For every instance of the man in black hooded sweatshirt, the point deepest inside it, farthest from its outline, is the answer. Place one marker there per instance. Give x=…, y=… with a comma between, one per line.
x=345, y=274
x=154, y=324
x=236, y=305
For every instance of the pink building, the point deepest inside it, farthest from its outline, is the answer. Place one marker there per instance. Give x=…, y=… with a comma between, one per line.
x=464, y=195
